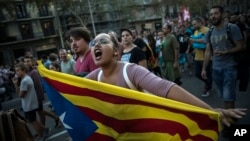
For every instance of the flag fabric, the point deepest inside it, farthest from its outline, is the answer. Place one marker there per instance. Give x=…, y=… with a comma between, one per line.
x=95, y=111
x=78, y=125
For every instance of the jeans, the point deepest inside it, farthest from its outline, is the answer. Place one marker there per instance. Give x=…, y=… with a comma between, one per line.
x=225, y=80
x=197, y=70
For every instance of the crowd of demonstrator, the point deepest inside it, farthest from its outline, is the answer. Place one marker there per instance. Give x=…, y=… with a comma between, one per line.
x=161, y=55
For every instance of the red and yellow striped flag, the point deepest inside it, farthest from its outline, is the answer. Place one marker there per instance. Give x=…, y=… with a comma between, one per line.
x=119, y=114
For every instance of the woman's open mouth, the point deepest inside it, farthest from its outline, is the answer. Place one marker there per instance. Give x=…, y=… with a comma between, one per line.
x=98, y=54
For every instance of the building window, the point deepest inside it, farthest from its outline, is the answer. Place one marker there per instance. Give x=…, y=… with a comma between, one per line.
x=158, y=26
x=18, y=53
x=150, y=12
x=26, y=30
x=21, y=11
x=70, y=20
x=2, y=18
x=99, y=17
x=43, y=10
x=113, y=16
x=3, y=35
x=86, y=19
x=48, y=28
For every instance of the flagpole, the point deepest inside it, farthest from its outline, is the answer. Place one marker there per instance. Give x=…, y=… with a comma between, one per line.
x=92, y=19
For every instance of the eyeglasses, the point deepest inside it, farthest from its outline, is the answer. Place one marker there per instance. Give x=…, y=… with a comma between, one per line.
x=102, y=41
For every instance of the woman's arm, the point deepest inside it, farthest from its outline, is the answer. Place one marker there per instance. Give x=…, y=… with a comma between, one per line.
x=144, y=79
x=179, y=94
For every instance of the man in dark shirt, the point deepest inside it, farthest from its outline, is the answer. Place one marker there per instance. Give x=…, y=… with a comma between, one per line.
x=138, y=41
x=33, y=73
x=185, y=49
x=243, y=70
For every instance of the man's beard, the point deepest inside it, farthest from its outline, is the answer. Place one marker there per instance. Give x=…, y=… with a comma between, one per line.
x=216, y=22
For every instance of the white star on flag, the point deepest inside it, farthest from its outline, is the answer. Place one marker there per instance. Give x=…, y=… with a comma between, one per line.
x=62, y=116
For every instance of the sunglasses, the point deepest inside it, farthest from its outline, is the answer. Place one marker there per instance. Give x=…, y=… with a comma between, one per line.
x=101, y=41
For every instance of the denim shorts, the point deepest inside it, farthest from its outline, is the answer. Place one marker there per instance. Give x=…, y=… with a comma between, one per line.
x=225, y=81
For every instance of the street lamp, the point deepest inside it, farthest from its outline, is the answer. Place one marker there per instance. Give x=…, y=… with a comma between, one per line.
x=58, y=22
x=91, y=16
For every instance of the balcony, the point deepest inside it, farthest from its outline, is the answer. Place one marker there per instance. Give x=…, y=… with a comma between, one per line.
x=23, y=31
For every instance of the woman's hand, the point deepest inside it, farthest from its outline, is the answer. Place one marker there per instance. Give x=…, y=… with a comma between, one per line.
x=227, y=115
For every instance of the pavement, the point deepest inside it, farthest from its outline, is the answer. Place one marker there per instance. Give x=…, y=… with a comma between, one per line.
x=195, y=86
x=190, y=83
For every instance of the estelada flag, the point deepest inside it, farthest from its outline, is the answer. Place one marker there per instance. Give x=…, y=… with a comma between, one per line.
x=95, y=111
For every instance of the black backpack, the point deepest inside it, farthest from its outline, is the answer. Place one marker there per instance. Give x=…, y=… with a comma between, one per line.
x=228, y=29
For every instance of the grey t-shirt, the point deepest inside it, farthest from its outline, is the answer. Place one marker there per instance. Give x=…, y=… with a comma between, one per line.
x=219, y=41
x=141, y=78
x=29, y=101
x=68, y=67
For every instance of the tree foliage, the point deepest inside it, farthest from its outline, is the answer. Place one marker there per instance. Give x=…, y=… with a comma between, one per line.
x=8, y=5
x=73, y=7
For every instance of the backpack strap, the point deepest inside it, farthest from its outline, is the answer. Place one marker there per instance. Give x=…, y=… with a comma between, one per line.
x=229, y=34
x=209, y=33
x=99, y=75
x=228, y=30
x=209, y=38
x=127, y=80
x=125, y=75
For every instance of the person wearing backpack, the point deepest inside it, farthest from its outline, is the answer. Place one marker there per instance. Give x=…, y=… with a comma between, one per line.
x=198, y=43
x=224, y=65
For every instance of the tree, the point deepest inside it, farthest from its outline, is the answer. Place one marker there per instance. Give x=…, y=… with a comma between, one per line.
x=72, y=7
x=8, y=5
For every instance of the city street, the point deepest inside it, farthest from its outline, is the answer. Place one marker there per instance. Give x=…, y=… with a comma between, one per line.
x=60, y=33
x=190, y=83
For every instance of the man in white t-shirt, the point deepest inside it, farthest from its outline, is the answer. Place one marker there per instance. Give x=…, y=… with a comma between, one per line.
x=28, y=98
